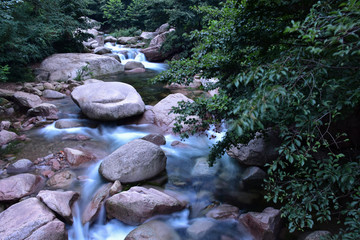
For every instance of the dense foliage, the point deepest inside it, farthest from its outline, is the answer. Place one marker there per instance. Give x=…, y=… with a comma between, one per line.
x=147, y=15
x=31, y=30
x=292, y=66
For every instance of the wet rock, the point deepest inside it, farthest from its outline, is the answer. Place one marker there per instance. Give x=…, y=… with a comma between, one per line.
x=54, y=230
x=139, y=204
x=316, y=235
x=76, y=137
x=66, y=66
x=18, y=186
x=253, y=177
x=93, y=208
x=61, y=180
x=113, y=56
x=133, y=64
x=108, y=100
x=179, y=144
x=68, y=123
x=20, y=166
x=51, y=94
x=102, y=50
x=153, y=53
x=264, y=225
x=60, y=202
x=76, y=157
x=199, y=228
x=27, y=100
x=157, y=139
x=257, y=152
x=115, y=188
x=224, y=211
x=47, y=110
x=202, y=168
x=153, y=230
x=135, y=161
x=161, y=110
x=6, y=137
x=25, y=220
x=110, y=39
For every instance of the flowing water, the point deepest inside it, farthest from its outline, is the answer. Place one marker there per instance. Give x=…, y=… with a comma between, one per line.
x=187, y=172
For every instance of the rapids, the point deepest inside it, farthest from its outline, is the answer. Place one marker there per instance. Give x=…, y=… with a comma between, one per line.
x=186, y=172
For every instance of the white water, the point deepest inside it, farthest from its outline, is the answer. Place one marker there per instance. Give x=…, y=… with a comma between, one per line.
x=133, y=54
x=200, y=189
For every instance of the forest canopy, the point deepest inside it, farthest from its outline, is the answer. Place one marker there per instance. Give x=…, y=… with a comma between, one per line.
x=292, y=67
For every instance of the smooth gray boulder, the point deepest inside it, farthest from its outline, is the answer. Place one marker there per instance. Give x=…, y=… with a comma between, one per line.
x=27, y=220
x=148, y=35
x=18, y=186
x=138, y=204
x=27, y=100
x=108, y=101
x=157, y=139
x=66, y=66
x=135, y=161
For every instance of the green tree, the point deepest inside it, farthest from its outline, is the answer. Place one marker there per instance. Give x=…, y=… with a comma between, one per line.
x=114, y=12
x=291, y=66
x=32, y=30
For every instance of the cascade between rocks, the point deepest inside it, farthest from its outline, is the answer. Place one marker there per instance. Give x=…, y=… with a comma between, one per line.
x=201, y=202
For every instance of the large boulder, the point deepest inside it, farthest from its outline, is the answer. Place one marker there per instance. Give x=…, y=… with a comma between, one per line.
x=18, y=186
x=6, y=137
x=153, y=230
x=30, y=219
x=27, y=100
x=224, y=211
x=135, y=161
x=153, y=53
x=60, y=202
x=138, y=204
x=108, y=101
x=102, y=50
x=66, y=66
x=264, y=225
x=163, y=118
x=258, y=151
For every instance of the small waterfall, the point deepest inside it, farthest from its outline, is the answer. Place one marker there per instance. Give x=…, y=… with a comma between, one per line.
x=134, y=54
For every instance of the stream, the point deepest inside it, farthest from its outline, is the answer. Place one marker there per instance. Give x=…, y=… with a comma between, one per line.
x=187, y=171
